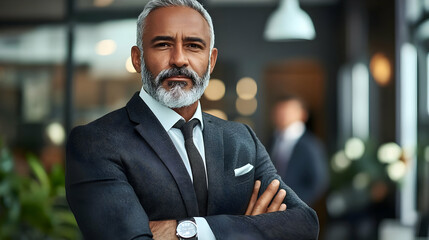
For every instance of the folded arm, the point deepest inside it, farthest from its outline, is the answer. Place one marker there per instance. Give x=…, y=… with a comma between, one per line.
x=270, y=201
x=298, y=222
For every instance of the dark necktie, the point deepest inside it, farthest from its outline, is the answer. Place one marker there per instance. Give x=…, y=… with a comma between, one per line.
x=197, y=164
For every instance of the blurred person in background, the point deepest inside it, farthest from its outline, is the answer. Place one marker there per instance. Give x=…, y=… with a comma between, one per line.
x=297, y=154
x=140, y=172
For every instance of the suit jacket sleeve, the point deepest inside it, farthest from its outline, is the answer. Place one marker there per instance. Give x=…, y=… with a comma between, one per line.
x=298, y=222
x=98, y=192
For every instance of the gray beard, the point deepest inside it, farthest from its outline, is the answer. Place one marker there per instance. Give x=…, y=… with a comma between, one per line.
x=177, y=96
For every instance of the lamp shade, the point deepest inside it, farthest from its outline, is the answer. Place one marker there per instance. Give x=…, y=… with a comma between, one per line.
x=289, y=22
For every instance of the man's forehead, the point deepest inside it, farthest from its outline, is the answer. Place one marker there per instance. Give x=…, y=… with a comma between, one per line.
x=172, y=16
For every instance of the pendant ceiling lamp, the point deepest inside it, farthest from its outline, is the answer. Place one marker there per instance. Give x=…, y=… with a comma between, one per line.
x=289, y=22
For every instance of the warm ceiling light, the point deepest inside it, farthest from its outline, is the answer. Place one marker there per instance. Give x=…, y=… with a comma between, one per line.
x=247, y=88
x=246, y=107
x=215, y=90
x=380, y=69
x=129, y=65
x=102, y=3
x=105, y=47
x=289, y=22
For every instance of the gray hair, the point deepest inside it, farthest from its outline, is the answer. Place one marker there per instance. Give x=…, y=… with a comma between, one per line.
x=155, y=4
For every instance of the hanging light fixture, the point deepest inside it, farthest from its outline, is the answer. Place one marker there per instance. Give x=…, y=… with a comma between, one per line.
x=289, y=22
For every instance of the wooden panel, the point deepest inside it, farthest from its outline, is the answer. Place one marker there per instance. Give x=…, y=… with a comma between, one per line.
x=302, y=78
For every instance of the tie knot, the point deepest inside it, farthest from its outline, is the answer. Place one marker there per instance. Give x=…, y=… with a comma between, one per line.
x=186, y=128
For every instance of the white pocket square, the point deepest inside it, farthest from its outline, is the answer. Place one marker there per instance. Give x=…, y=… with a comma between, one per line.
x=243, y=170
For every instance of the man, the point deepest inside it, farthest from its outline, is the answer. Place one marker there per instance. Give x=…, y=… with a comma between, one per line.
x=297, y=154
x=133, y=174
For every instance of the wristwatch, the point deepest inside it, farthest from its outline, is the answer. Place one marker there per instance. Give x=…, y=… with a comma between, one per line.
x=187, y=229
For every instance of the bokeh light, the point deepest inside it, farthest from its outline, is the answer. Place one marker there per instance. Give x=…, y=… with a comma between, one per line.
x=56, y=133
x=246, y=107
x=129, y=65
x=247, y=88
x=102, y=3
x=361, y=180
x=215, y=90
x=340, y=162
x=105, y=47
x=396, y=171
x=389, y=152
x=354, y=148
x=380, y=69
x=336, y=204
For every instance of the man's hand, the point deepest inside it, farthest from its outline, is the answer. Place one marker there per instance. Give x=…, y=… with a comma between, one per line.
x=167, y=229
x=258, y=206
x=163, y=229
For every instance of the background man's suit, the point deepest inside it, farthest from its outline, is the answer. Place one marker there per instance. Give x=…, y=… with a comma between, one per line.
x=123, y=170
x=305, y=171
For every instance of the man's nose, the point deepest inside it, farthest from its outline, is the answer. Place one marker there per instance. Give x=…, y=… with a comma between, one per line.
x=178, y=58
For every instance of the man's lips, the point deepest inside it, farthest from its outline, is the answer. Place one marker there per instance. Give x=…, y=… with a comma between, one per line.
x=183, y=80
x=177, y=78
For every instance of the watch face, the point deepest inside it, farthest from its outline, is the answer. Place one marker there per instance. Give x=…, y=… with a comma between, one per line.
x=187, y=229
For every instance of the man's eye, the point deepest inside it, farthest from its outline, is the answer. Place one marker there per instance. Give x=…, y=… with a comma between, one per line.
x=196, y=46
x=162, y=45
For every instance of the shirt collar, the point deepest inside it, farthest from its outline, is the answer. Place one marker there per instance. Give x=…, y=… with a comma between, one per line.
x=167, y=116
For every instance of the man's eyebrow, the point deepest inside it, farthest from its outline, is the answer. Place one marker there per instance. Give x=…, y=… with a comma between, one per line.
x=195, y=39
x=161, y=38
x=187, y=39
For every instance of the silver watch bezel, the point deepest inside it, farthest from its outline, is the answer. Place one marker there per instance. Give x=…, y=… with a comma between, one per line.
x=179, y=233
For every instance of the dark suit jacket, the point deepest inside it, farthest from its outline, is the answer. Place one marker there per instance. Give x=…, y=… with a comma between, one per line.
x=123, y=170
x=306, y=172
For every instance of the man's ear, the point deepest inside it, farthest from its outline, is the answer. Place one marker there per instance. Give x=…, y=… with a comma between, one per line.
x=213, y=58
x=135, y=58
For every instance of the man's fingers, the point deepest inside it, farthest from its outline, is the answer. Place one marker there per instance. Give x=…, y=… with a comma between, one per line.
x=265, y=199
x=254, y=197
x=283, y=207
x=277, y=201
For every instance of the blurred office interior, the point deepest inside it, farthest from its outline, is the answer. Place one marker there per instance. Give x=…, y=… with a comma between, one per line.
x=363, y=73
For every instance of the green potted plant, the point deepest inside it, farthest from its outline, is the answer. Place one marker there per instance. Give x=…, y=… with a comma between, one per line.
x=33, y=206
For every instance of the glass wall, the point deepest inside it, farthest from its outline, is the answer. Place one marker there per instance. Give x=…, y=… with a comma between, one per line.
x=104, y=78
x=32, y=89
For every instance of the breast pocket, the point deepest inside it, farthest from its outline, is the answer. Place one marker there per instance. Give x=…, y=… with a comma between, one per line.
x=244, y=177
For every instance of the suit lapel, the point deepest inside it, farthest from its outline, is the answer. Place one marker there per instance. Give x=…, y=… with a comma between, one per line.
x=213, y=144
x=154, y=134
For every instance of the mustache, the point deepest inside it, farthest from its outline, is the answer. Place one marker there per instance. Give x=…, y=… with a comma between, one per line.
x=182, y=71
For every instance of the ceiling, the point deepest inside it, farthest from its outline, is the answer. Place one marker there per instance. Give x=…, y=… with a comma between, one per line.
x=55, y=9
